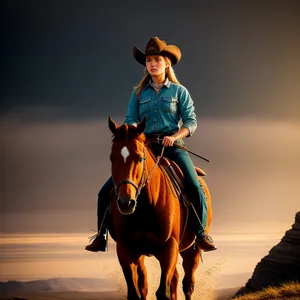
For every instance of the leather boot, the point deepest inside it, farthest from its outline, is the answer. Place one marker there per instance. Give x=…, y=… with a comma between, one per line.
x=99, y=243
x=205, y=242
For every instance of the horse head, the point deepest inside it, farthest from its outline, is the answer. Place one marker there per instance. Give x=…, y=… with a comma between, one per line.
x=128, y=163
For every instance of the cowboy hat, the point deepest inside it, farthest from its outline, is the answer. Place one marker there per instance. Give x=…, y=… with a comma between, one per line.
x=157, y=46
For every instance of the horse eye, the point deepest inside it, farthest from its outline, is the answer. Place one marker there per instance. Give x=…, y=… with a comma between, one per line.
x=141, y=159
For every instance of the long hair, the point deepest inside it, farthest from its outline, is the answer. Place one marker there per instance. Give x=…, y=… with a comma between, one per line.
x=170, y=74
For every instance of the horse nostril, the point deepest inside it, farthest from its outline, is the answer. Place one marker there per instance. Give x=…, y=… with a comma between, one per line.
x=131, y=203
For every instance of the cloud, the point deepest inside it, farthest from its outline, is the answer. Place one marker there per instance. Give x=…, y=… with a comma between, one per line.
x=243, y=60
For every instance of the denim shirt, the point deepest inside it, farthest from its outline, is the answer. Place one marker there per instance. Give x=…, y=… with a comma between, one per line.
x=164, y=111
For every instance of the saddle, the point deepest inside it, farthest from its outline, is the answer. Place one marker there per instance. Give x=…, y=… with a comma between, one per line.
x=164, y=161
x=172, y=169
x=176, y=175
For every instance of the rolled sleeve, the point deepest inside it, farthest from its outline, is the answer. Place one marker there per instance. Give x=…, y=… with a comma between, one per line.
x=132, y=114
x=187, y=111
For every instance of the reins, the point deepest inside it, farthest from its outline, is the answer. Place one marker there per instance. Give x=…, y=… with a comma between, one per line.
x=155, y=165
x=159, y=139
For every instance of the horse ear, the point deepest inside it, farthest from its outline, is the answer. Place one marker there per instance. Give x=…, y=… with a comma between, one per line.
x=141, y=126
x=113, y=126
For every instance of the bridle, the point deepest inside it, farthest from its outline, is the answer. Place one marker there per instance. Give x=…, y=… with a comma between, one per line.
x=143, y=181
x=129, y=181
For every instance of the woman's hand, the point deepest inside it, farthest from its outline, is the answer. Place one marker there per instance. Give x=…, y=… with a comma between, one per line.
x=168, y=141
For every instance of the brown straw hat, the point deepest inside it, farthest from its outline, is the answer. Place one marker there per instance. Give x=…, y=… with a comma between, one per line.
x=157, y=46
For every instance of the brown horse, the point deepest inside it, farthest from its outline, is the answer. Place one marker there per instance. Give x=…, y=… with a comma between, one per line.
x=148, y=218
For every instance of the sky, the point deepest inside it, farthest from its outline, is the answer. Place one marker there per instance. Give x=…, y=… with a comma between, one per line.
x=75, y=60
x=66, y=67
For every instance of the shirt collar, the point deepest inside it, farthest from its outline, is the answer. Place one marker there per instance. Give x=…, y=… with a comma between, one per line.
x=167, y=83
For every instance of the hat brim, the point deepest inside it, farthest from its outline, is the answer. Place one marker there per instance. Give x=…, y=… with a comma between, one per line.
x=171, y=51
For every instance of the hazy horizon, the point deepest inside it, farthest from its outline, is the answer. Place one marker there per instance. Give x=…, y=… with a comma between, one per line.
x=59, y=262
x=51, y=173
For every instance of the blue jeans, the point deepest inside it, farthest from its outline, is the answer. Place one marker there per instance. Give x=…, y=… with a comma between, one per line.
x=191, y=184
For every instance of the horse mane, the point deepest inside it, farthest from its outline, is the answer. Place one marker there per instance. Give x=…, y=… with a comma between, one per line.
x=128, y=132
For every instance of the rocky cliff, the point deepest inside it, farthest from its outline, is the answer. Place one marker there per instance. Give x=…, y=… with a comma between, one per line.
x=280, y=265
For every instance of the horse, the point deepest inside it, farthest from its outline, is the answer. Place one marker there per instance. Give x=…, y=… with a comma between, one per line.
x=147, y=218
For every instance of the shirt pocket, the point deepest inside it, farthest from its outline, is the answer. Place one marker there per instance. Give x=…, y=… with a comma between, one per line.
x=169, y=104
x=144, y=106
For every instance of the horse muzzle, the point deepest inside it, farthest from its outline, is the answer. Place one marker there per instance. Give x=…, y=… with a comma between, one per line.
x=125, y=206
x=127, y=193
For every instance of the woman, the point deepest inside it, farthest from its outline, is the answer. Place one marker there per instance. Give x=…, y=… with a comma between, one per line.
x=165, y=103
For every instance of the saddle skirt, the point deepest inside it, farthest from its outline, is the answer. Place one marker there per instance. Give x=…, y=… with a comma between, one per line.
x=176, y=175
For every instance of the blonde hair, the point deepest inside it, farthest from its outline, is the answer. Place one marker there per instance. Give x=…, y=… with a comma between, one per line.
x=170, y=74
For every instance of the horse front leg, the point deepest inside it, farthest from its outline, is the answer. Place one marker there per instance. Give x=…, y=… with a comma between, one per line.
x=174, y=284
x=129, y=263
x=142, y=278
x=168, y=260
x=190, y=262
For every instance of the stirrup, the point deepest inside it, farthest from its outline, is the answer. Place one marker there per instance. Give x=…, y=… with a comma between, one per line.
x=93, y=237
x=205, y=239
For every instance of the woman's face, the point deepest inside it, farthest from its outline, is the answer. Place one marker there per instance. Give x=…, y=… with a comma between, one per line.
x=156, y=65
